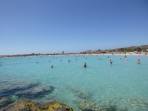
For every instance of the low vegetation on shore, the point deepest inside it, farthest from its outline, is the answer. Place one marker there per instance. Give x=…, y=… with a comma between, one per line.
x=133, y=49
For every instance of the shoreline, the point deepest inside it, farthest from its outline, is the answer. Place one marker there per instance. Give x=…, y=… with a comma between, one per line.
x=74, y=54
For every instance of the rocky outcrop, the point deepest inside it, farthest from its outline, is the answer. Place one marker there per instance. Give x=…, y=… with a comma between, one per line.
x=22, y=105
x=28, y=105
x=56, y=106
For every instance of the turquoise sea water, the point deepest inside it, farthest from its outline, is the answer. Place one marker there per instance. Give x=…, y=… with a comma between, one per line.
x=123, y=84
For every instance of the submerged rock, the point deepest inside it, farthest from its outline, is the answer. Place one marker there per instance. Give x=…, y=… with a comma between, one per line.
x=120, y=105
x=25, y=90
x=10, y=89
x=4, y=101
x=28, y=105
x=82, y=95
x=79, y=93
x=139, y=102
x=37, y=91
x=86, y=105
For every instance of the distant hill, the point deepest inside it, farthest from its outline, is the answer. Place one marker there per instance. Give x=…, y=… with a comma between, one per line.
x=144, y=46
x=133, y=48
x=141, y=48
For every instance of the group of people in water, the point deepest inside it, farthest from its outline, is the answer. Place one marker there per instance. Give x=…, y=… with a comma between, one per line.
x=110, y=61
x=85, y=65
x=125, y=58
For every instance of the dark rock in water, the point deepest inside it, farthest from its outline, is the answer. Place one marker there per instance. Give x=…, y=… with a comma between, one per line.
x=81, y=94
x=28, y=105
x=4, y=101
x=38, y=91
x=30, y=90
x=12, y=89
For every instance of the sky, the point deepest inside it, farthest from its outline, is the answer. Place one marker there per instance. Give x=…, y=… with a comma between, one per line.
x=53, y=26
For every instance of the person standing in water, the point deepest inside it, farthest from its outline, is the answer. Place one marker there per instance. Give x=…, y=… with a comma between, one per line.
x=110, y=61
x=85, y=65
x=138, y=61
x=125, y=58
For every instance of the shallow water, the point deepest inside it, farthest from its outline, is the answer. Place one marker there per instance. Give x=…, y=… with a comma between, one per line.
x=123, y=84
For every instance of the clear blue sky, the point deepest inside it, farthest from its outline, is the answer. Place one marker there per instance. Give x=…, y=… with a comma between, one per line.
x=47, y=26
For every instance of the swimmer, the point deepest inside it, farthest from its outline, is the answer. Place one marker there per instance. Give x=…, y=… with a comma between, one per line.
x=69, y=61
x=110, y=62
x=125, y=58
x=138, y=61
x=52, y=66
x=85, y=65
